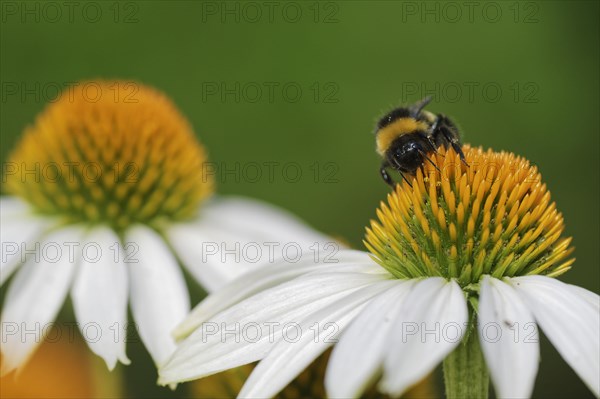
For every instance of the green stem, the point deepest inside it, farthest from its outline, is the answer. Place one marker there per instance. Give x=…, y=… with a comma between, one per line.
x=465, y=373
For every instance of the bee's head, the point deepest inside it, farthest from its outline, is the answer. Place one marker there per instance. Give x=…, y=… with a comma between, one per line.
x=406, y=152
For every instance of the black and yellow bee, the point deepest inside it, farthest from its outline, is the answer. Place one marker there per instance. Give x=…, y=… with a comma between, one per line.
x=407, y=135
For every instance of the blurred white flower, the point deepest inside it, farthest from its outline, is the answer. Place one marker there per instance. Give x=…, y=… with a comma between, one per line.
x=107, y=198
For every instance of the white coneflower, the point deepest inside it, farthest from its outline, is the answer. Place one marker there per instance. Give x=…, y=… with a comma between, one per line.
x=461, y=269
x=106, y=195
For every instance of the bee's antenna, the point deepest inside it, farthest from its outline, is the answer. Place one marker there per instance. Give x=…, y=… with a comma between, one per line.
x=416, y=108
x=405, y=179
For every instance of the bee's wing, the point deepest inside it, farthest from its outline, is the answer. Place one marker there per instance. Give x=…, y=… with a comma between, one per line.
x=417, y=107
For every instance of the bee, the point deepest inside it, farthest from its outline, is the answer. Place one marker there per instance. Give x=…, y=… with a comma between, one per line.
x=406, y=136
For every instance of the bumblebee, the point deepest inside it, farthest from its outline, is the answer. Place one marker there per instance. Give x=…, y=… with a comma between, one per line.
x=407, y=135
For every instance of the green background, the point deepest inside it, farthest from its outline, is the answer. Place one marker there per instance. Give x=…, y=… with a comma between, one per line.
x=352, y=60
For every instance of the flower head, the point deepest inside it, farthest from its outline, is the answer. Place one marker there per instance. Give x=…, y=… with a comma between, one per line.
x=493, y=216
x=461, y=269
x=108, y=197
x=110, y=160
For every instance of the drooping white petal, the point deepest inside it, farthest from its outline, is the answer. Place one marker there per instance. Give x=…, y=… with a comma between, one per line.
x=357, y=358
x=216, y=344
x=430, y=324
x=196, y=245
x=100, y=296
x=313, y=335
x=159, y=296
x=569, y=320
x=19, y=235
x=509, y=339
x=233, y=236
x=267, y=277
x=263, y=221
x=36, y=295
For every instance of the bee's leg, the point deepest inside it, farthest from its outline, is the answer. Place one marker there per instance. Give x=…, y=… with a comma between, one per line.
x=453, y=141
x=432, y=146
x=424, y=155
x=384, y=174
x=429, y=146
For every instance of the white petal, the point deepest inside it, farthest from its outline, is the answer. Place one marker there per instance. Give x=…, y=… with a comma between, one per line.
x=589, y=296
x=11, y=207
x=570, y=322
x=211, y=255
x=317, y=332
x=233, y=236
x=357, y=358
x=19, y=235
x=267, y=277
x=159, y=296
x=36, y=295
x=215, y=346
x=262, y=220
x=509, y=339
x=100, y=296
x=431, y=323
